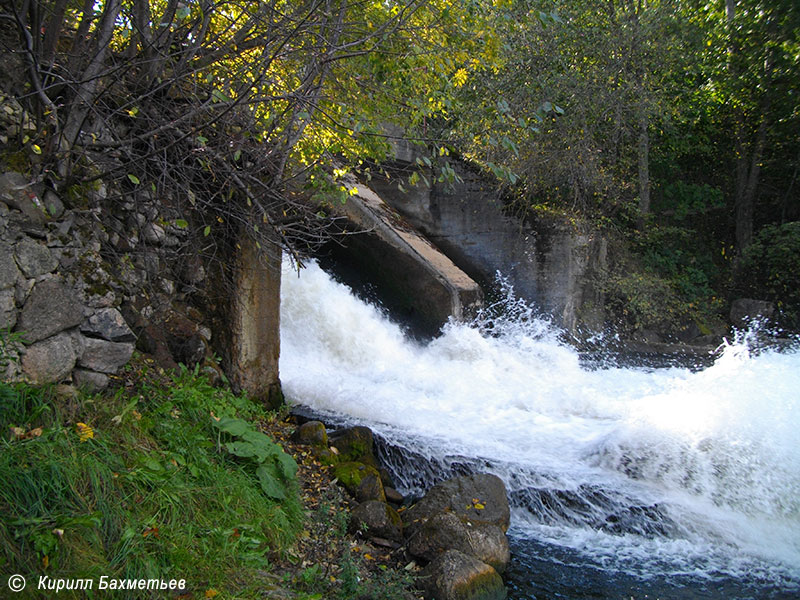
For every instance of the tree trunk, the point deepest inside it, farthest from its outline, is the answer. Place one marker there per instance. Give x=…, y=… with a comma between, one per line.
x=746, y=194
x=85, y=92
x=644, y=167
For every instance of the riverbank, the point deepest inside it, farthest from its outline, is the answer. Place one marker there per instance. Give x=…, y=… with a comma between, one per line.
x=166, y=477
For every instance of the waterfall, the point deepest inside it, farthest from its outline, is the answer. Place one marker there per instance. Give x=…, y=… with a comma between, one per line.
x=650, y=472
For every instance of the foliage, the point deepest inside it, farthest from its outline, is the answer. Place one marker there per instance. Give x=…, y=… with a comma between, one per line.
x=148, y=495
x=769, y=269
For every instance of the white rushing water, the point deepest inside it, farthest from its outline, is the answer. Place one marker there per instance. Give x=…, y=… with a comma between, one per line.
x=644, y=470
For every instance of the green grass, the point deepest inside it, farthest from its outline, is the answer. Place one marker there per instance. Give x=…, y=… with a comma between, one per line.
x=156, y=493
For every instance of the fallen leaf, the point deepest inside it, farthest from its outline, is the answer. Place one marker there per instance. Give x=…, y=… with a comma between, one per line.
x=85, y=432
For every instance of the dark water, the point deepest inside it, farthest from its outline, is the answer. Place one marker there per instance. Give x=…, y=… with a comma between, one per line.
x=546, y=572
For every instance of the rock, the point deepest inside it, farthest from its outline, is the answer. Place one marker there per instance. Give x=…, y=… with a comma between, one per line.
x=50, y=308
x=16, y=191
x=104, y=356
x=355, y=444
x=91, y=381
x=350, y=474
x=50, y=360
x=108, y=324
x=53, y=204
x=311, y=433
x=745, y=310
x=154, y=233
x=34, y=259
x=9, y=273
x=379, y=519
x=392, y=495
x=446, y=531
x=455, y=576
x=370, y=488
x=193, y=271
x=8, y=309
x=477, y=498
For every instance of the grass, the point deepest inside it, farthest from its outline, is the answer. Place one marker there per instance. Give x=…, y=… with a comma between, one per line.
x=147, y=487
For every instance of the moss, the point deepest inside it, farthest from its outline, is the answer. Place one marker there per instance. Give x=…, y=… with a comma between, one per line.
x=351, y=473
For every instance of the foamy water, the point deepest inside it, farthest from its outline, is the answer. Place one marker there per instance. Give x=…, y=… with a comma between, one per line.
x=647, y=471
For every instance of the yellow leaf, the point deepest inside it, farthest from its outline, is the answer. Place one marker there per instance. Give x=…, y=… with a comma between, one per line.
x=45, y=561
x=479, y=506
x=210, y=593
x=84, y=432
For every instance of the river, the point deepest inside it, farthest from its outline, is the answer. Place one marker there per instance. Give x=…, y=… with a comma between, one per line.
x=625, y=481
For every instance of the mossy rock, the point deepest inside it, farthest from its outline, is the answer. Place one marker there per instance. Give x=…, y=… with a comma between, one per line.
x=378, y=519
x=370, y=488
x=355, y=444
x=311, y=433
x=351, y=474
x=455, y=576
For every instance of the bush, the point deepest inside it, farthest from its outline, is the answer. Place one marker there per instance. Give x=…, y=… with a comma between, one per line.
x=769, y=269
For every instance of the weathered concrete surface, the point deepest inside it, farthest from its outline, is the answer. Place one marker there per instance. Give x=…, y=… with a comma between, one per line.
x=550, y=260
x=425, y=282
x=254, y=322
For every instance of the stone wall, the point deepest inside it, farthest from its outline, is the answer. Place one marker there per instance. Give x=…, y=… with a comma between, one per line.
x=55, y=292
x=112, y=265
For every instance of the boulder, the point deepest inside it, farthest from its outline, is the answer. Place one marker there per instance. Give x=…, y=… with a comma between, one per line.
x=478, y=498
x=378, y=518
x=51, y=307
x=108, y=324
x=91, y=381
x=455, y=576
x=34, y=259
x=50, y=360
x=370, y=488
x=354, y=444
x=446, y=531
x=104, y=356
x=311, y=433
x=351, y=474
x=745, y=310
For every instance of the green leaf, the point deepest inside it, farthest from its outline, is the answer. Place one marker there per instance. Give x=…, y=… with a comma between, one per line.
x=206, y=230
x=219, y=96
x=267, y=477
x=181, y=223
x=287, y=465
x=233, y=426
x=133, y=178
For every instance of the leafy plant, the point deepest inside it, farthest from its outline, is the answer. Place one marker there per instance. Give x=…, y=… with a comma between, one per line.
x=276, y=469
